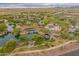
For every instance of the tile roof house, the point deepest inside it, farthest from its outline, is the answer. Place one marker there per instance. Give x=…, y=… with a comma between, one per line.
x=23, y=27
x=9, y=27
x=53, y=27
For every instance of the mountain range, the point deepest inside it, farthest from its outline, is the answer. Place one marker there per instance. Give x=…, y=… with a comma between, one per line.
x=37, y=5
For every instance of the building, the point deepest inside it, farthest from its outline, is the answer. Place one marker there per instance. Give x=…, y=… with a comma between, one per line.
x=23, y=27
x=10, y=27
x=53, y=27
x=3, y=21
x=73, y=28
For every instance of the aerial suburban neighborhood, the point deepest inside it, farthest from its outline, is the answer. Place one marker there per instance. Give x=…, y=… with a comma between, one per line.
x=39, y=31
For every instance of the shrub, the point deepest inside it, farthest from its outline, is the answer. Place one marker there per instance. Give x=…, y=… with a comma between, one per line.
x=38, y=39
x=9, y=46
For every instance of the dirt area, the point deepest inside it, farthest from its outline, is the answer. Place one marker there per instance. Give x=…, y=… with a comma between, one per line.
x=54, y=51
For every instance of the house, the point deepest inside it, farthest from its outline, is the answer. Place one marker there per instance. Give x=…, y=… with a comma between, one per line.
x=74, y=27
x=77, y=26
x=33, y=31
x=9, y=27
x=3, y=21
x=23, y=27
x=53, y=27
x=30, y=44
x=40, y=23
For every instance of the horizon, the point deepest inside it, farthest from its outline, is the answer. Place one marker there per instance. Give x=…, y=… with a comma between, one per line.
x=37, y=5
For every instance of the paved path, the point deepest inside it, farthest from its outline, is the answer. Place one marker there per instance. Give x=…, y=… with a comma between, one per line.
x=73, y=53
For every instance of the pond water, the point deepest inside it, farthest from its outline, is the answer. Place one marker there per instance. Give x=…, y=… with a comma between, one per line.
x=10, y=36
x=4, y=39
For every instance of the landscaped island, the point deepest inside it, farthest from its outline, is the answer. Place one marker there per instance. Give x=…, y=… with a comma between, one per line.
x=29, y=29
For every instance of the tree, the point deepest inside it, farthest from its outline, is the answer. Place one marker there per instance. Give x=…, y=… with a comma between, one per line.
x=77, y=32
x=64, y=26
x=38, y=39
x=66, y=35
x=47, y=21
x=45, y=30
x=24, y=39
x=17, y=31
x=76, y=37
x=2, y=27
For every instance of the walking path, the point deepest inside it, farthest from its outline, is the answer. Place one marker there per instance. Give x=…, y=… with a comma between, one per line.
x=44, y=50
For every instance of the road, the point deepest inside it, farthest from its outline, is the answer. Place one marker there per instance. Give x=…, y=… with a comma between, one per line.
x=73, y=53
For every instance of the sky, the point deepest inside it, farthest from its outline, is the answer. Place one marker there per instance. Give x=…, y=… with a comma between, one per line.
x=37, y=5
x=47, y=2
x=23, y=5
x=39, y=1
